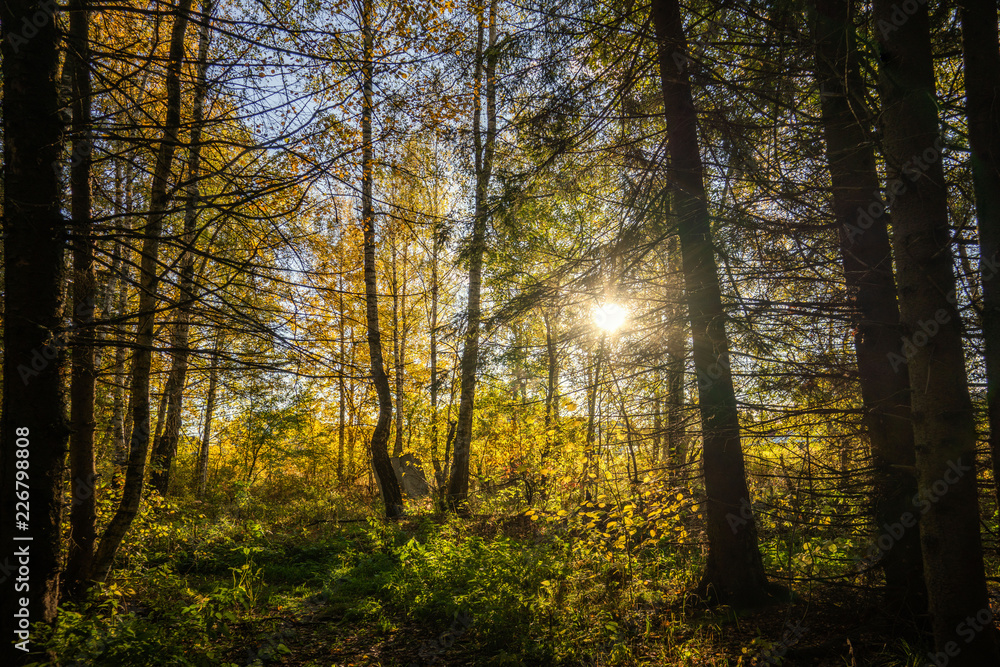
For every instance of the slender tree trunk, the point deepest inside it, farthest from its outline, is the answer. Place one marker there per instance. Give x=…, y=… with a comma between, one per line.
x=452, y=425
x=158, y=196
x=868, y=273
x=353, y=420
x=342, y=358
x=552, y=382
x=206, y=436
x=439, y=475
x=401, y=358
x=165, y=447
x=734, y=572
x=34, y=431
x=110, y=291
x=118, y=410
x=943, y=422
x=161, y=414
x=675, y=444
x=392, y=496
x=83, y=510
x=398, y=338
x=658, y=439
x=982, y=93
x=458, y=486
x=593, y=389
x=397, y=447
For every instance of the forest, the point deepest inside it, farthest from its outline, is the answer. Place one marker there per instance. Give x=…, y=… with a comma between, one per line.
x=500, y=332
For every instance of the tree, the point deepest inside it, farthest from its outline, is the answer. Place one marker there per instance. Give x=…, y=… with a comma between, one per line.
x=83, y=478
x=392, y=496
x=148, y=280
x=734, y=573
x=484, y=148
x=982, y=61
x=943, y=422
x=867, y=260
x=165, y=446
x=34, y=431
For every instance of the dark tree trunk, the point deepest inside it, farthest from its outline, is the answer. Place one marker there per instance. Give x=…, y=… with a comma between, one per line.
x=83, y=509
x=734, y=572
x=458, y=486
x=982, y=93
x=148, y=278
x=392, y=496
x=943, y=421
x=868, y=274
x=34, y=420
x=165, y=447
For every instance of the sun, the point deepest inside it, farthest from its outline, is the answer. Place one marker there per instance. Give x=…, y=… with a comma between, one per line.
x=609, y=317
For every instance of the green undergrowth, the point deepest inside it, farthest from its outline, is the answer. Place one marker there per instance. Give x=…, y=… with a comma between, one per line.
x=603, y=583
x=198, y=591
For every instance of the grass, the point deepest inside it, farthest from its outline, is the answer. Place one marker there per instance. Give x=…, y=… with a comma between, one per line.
x=548, y=589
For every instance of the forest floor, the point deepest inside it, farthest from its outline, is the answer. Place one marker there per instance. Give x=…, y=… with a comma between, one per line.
x=430, y=590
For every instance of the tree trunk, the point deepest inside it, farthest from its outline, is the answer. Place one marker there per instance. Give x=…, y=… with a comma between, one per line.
x=868, y=274
x=381, y=465
x=675, y=444
x=552, y=382
x=439, y=475
x=943, y=421
x=734, y=573
x=658, y=439
x=206, y=436
x=34, y=430
x=148, y=277
x=118, y=410
x=83, y=510
x=110, y=293
x=593, y=389
x=399, y=285
x=458, y=486
x=165, y=447
x=342, y=354
x=401, y=357
x=982, y=91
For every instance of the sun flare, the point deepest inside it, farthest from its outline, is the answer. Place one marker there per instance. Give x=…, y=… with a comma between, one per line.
x=609, y=317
